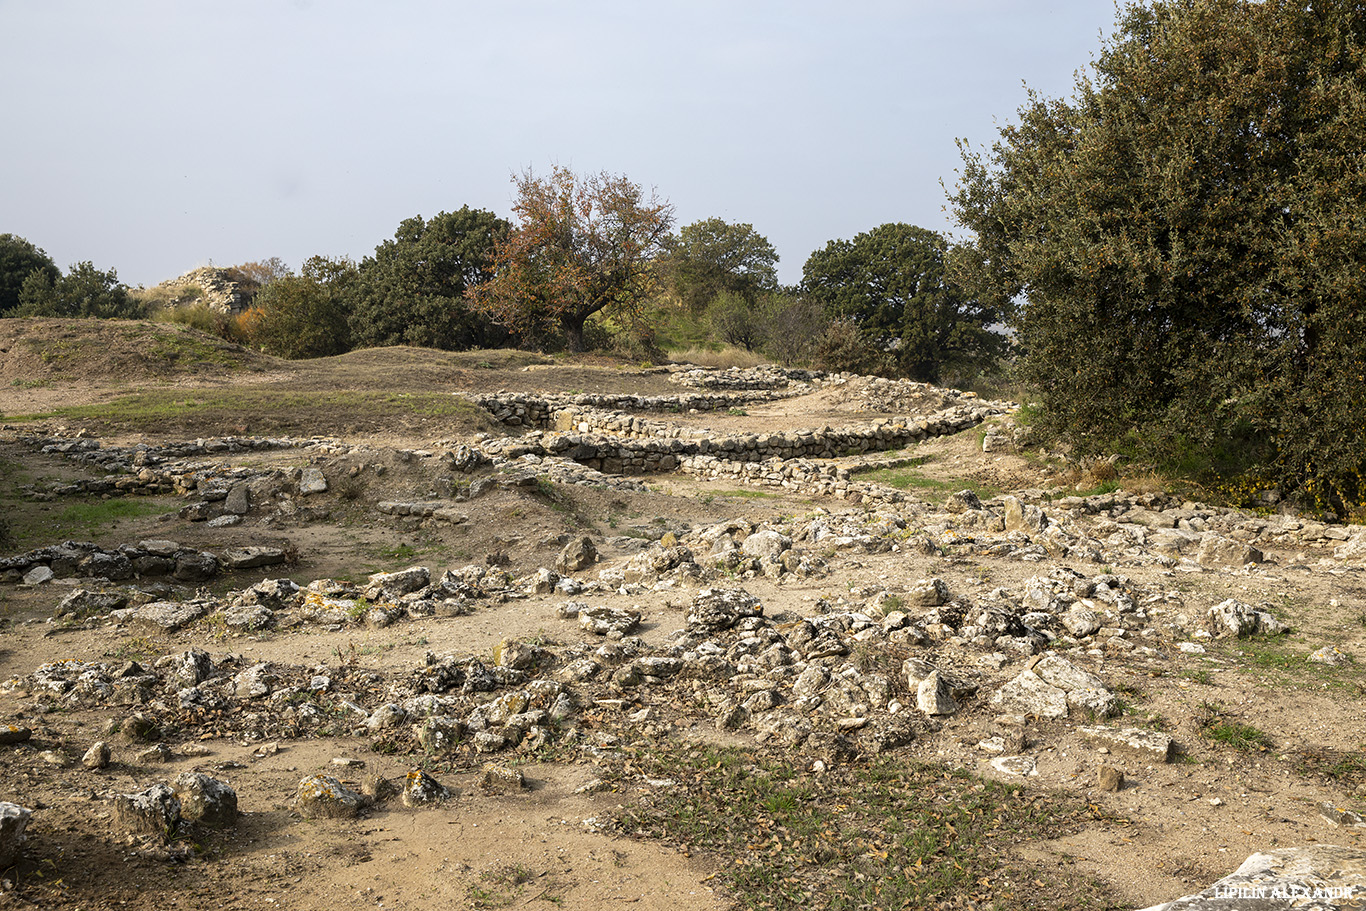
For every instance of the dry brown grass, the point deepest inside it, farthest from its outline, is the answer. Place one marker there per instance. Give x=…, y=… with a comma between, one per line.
x=729, y=356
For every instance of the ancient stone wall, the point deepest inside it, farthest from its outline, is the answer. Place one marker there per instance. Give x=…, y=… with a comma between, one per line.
x=616, y=443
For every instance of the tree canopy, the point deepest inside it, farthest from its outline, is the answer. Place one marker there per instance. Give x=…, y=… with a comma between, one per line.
x=412, y=291
x=582, y=245
x=892, y=283
x=304, y=315
x=1187, y=236
x=83, y=292
x=713, y=256
x=19, y=259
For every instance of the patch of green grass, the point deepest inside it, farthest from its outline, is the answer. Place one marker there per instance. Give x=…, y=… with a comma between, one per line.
x=1199, y=675
x=96, y=516
x=265, y=409
x=499, y=888
x=399, y=553
x=1233, y=734
x=907, y=477
x=887, y=835
x=1346, y=768
x=1239, y=736
x=1282, y=661
x=1103, y=487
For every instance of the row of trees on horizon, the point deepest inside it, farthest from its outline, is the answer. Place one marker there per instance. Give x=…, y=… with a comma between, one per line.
x=1178, y=251
x=593, y=263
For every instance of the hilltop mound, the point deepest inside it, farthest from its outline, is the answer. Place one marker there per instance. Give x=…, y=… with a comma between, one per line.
x=33, y=351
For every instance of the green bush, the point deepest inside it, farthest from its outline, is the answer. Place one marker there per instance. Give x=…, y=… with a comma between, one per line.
x=1185, y=235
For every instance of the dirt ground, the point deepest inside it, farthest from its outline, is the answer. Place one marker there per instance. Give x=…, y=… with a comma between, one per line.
x=1173, y=828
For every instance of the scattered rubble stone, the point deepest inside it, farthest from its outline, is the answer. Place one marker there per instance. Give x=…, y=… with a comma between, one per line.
x=97, y=757
x=421, y=789
x=206, y=800
x=324, y=797
x=1109, y=778
x=14, y=820
x=155, y=812
x=1135, y=743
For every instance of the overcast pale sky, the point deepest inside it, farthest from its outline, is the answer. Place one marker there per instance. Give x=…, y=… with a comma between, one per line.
x=153, y=136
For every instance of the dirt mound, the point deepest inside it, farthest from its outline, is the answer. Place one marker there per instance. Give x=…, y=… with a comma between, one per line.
x=33, y=351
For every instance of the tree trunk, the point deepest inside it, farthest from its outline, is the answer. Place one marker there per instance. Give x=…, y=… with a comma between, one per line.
x=573, y=331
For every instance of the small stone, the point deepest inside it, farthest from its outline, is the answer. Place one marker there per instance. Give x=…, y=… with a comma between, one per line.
x=155, y=811
x=928, y=593
x=1340, y=817
x=503, y=778
x=38, y=575
x=1016, y=766
x=158, y=753
x=324, y=797
x=608, y=621
x=312, y=481
x=138, y=728
x=577, y=555
x=1109, y=778
x=1135, y=743
x=375, y=787
x=206, y=800
x=1329, y=654
x=933, y=696
x=253, y=557
x=238, y=500
x=421, y=789
x=392, y=586
x=439, y=734
x=13, y=733
x=255, y=682
x=14, y=820
x=97, y=757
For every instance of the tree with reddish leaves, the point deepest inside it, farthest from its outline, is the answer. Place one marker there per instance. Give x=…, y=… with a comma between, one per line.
x=583, y=245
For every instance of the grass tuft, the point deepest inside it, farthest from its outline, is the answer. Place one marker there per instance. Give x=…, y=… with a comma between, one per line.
x=887, y=835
